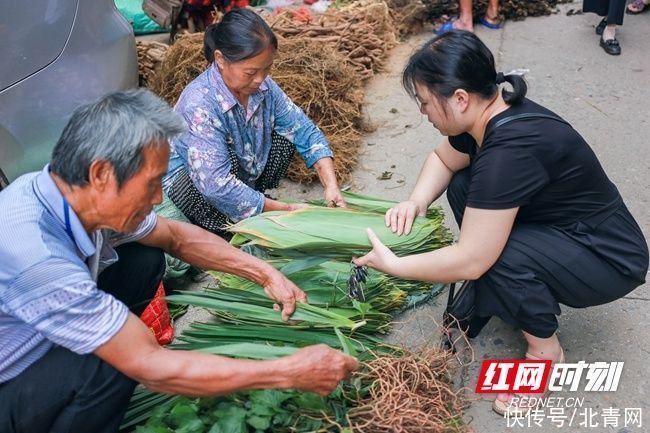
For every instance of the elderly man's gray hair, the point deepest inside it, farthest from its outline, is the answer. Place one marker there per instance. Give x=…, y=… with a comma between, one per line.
x=116, y=128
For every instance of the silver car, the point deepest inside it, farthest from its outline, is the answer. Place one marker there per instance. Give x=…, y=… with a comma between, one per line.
x=56, y=55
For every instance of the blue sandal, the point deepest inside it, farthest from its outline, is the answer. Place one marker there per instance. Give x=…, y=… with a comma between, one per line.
x=446, y=27
x=494, y=26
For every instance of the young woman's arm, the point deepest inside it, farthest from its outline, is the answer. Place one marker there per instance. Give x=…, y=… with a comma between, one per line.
x=482, y=238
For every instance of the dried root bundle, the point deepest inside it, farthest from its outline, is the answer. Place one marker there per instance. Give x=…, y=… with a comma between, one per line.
x=363, y=32
x=150, y=57
x=183, y=63
x=318, y=80
x=410, y=394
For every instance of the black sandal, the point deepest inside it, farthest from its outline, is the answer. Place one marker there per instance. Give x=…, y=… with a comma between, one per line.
x=611, y=46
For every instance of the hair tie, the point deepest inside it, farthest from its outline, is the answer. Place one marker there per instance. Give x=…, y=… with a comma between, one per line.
x=500, y=78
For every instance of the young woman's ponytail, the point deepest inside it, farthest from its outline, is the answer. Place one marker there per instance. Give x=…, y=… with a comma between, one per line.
x=519, y=89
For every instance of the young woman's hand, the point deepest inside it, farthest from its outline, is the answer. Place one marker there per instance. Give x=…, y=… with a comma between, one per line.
x=380, y=258
x=400, y=218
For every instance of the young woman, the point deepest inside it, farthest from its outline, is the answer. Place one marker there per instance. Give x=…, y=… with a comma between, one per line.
x=540, y=222
x=242, y=130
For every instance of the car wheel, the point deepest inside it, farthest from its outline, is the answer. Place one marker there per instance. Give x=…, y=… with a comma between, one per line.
x=3, y=181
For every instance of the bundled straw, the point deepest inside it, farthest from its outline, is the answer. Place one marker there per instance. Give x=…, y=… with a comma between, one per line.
x=150, y=56
x=182, y=64
x=319, y=81
x=363, y=32
x=409, y=15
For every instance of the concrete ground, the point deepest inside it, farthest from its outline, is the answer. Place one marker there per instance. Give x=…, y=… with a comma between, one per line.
x=605, y=98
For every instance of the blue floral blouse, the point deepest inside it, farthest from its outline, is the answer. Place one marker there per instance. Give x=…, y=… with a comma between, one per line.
x=215, y=120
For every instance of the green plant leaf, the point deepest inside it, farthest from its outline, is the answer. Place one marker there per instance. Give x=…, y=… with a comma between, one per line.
x=269, y=398
x=230, y=418
x=310, y=401
x=346, y=344
x=361, y=307
x=259, y=422
x=183, y=413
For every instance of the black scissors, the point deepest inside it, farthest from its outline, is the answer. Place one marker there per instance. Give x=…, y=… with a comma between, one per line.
x=358, y=277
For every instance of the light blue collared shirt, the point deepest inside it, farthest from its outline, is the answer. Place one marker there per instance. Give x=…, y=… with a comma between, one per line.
x=48, y=273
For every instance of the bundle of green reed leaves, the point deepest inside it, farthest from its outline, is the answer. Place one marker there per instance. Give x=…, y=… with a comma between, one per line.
x=305, y=245
x=334, y=233
x=372, y=204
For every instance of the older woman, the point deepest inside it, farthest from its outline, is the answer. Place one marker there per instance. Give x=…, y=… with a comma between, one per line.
x=243, y=130
x=540, y=222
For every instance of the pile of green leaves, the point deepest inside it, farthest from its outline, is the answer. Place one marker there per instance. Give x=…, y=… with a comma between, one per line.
x=246, y=412
x=334, y=233
x=302, y=245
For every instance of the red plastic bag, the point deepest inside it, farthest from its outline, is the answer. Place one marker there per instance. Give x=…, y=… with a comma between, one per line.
x=156, y=317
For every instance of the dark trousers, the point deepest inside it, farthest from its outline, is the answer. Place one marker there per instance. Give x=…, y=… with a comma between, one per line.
x=539, y=268
x=71, y=393
x=196, y=208
x=614, y=10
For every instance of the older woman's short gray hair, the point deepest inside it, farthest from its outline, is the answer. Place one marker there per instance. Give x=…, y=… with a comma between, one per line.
x=116, y=128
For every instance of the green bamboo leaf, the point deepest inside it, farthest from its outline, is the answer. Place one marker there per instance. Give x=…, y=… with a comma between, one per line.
x=348, y=347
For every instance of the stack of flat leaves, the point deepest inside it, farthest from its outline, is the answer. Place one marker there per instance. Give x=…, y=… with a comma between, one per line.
x=326, y=285
x=247, y=326
x=335, y=233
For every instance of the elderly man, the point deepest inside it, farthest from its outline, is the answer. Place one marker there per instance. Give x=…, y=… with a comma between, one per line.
x=71, y=352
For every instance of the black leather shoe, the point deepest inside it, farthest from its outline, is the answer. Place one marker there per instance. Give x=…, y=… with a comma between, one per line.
x=611, y=46
x=601, y=26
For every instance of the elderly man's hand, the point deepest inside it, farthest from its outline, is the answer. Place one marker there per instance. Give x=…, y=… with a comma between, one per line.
x=320, y=368
x=280, y=289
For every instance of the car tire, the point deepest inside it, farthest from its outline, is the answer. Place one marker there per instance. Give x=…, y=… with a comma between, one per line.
x=3, y=181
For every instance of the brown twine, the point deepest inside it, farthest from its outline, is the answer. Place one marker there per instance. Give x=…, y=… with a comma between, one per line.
x=412, y=393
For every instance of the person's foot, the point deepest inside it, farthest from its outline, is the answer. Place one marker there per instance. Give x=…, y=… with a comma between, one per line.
x=637, y=6
x=491, y=23
x=601, y=26
x=608, y=41
x=611, y=46
x=609, y=32
x=504, y=403
x=454, y=24
x=463, y=24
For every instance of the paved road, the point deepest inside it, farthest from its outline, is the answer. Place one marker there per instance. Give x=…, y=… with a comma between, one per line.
x=605, y=98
